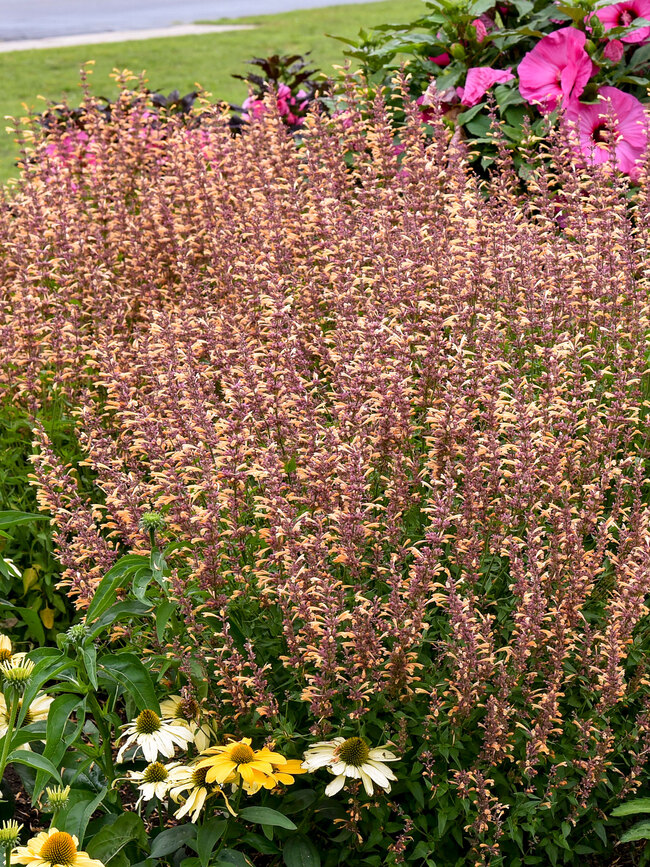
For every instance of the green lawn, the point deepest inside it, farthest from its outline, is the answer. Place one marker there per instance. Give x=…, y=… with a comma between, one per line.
x=180, y=62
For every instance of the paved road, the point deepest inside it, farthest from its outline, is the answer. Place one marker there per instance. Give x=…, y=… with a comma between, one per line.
x=35, y=19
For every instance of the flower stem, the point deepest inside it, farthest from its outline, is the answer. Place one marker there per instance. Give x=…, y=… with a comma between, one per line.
x=104, y=731
x=6, y=743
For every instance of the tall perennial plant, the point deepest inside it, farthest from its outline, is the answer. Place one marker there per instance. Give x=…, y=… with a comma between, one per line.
x=389, y=424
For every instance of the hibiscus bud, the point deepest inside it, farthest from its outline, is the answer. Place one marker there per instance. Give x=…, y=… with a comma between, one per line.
x=596, y=26
x=457, y=51
x=614, y=51
x=590, y=46
x=480, y=28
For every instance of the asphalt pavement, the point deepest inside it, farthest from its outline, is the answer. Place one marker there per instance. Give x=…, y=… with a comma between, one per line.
x=38, y=19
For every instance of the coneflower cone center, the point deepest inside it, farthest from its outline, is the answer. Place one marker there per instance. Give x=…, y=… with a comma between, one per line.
x=147, y=723
x=187, y=709
x=5, y=653
x=59, y=849
x=354, y=752
x=155, y=773
x=198, y=776
x=242, y=754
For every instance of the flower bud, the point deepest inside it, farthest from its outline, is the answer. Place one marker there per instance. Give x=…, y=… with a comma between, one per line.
x=457, y=51
x=614, y=51
x=76, y=633
x=17, y=673
x=57, y=797
x=152, y=521
x=9, y=832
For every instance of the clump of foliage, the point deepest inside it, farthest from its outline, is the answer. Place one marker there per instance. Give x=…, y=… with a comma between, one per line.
x=368, y=461
x=293, y=84
x=528, y=61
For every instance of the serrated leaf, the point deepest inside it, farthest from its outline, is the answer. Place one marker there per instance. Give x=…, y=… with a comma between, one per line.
x=631, y=808
x=640, y=831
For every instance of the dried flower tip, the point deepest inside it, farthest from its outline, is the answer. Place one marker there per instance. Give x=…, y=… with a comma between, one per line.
x=57, y=796
x=9, y=831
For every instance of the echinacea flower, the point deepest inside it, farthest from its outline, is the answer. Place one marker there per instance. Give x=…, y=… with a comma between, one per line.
x=185, y=712
x=351, y=758
x=479, y=80
x=623, y=15
x=6, y=648
x=256, y=768
x=613, y=130
x=192, y=791
x=154, y=736
x=57, y=797
x=155, y=780
x=556, y=70
x=36, y=712
x=53, y=848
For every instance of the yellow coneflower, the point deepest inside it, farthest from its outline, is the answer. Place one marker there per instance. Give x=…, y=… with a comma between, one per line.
x=154, y=736
x=185, y=712
x=192, y=791
x=53, y=848
x=256, y=768
x=351, y=758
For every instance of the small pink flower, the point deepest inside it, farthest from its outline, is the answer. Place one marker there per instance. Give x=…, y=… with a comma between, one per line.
x=615, y=129
x=557, y=69
x=614, y=50
x=441, y=60
x=253, y=107
x=623, y=14
x=479, y=80
x=481, y=29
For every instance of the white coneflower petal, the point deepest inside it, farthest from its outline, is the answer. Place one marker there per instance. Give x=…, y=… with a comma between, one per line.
x=154, y=736
x=351, y=759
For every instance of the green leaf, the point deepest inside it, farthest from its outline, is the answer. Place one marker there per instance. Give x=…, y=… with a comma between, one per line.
x=297, y=801
x=630, y=808
x=300, y=852
x=127, y=671
x=640, y=831
x=266, y=816
x=141, y=581
x=163, y=612
x=231, y=856
x=13, y=519
x=78, y=816
x=33, y=760
x=207, y=837
x=116, y=577
x=89, y=656
x=56, y=739
x=171, y=840
x=117, y=612
x=113, y=838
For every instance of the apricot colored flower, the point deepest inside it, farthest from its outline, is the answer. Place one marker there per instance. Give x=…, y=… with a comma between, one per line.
x=556, y=70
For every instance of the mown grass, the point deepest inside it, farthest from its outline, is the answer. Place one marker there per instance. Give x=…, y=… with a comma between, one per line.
x=183, y=61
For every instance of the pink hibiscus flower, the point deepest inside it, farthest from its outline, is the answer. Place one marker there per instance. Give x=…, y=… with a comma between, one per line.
x=623, y=14
x=558, y=68
x=613, y=130
x=441, y=59
x=614, y=50
x=479, y=80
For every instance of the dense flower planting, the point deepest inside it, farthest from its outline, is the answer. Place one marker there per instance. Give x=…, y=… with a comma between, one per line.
x=389, y=425
x=529, y=62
